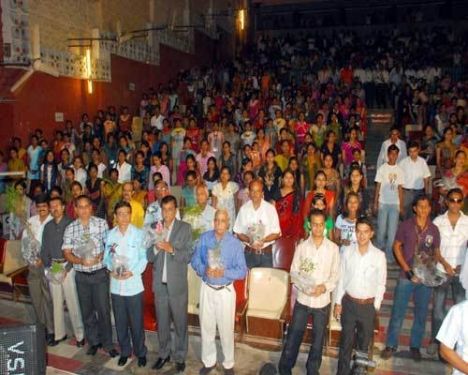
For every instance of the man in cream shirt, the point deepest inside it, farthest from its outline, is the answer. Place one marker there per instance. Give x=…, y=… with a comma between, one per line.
x=359, y=293
x=317, y=259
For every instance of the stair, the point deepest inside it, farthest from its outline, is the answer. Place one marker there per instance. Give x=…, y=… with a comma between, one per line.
x=380, y=122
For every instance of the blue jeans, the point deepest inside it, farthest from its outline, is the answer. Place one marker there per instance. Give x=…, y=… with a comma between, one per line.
x=387, y=223
x=295, y=334
x=421, y=297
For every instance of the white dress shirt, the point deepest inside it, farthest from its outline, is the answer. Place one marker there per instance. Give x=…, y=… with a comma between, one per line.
x=125, y=172
x=266, y=214
x=452, y=240
x=383, y=155
x=414, y=172
x=454, y=331
x=362, y=276
x=326, y=260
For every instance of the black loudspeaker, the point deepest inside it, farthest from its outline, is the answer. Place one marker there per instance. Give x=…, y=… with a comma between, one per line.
x=22, y=350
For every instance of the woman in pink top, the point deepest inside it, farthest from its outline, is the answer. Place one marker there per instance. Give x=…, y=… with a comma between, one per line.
x=348, y=147
x=158, y=166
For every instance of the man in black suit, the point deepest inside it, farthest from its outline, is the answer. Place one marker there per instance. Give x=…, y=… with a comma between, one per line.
x=170, y=258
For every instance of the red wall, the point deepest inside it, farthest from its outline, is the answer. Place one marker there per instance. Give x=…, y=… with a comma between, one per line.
x=42, y=95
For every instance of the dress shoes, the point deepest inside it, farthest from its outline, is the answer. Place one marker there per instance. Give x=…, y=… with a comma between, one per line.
x=206, y=370
x=229, y=371
x=141, y=361
x=415, y=354
x=122, y=361
x=161, y=362
x=113, y=353
x=92, y=350
x=80, y=344
x=180, y=366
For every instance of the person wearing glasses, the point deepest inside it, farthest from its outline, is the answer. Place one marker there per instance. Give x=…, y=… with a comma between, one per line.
x=153, y=212
x=453, y=228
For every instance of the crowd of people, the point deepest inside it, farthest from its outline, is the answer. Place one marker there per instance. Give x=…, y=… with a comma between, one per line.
x=221, y=163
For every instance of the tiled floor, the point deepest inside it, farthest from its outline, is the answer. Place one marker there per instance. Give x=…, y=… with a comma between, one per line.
x=68, y=359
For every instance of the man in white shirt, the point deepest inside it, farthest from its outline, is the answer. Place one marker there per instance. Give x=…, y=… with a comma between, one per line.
x=157, y=119
x=388, y=200
x=257, y=225
x=38, y=286
x=417, y=177
x=453, y=229
x=359, y=293
x=316, y=259
x=454, y=333
x=393, y=140
x=204, y=221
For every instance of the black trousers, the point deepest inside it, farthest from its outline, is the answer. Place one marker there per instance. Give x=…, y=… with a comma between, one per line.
x=356, y=321
x=128, y=314
x=93, y=295
x=295, y=334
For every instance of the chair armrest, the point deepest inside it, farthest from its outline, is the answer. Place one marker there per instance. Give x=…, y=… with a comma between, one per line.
x=241, y=310
x=286, y=313
x=376, y=323
x=18, y=272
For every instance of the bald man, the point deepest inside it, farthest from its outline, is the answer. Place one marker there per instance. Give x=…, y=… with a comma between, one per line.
x=257, y=226
x=218, y=260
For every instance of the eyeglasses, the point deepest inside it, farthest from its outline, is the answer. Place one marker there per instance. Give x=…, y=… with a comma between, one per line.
x=453, y=200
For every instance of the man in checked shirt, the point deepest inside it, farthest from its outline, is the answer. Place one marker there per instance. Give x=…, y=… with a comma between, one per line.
x=92, y=278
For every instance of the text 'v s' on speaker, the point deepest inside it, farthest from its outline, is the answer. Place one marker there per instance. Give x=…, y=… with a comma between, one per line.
x=22, y=350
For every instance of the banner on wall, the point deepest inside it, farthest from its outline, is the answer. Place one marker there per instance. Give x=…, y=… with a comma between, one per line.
x=15, y=31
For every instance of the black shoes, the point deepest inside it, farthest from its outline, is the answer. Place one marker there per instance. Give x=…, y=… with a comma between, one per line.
x=206, y=370
x=122, y=361
x=387, y=352
x=229, y=371
x=415, y=354
x=80, y=344
x=180, y=366
x=92, y=350
x=161, y=362
x=113, y=353
x=141, y=361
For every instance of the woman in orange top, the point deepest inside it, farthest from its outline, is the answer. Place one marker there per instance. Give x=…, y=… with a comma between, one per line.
x=320, y=183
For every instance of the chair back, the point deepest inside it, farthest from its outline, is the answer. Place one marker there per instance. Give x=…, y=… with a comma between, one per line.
x=268, y=291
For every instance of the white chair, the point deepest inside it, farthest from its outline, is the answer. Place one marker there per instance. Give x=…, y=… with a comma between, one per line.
x=194, y=284
x=267, y=304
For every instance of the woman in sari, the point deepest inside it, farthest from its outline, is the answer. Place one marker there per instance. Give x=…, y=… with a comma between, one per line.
x=270, y=173
x=93, y=187
x=445, y=152
x=289, y=207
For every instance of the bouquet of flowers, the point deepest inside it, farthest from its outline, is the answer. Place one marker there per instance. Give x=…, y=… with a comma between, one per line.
x=31, y=247
x=256, y=232
x=425, y=268
x=303, y=278
x=153, y=235
x=87, y=248
x=56, y=272
x=119, y=264
x=192, y=216
x=214, y=257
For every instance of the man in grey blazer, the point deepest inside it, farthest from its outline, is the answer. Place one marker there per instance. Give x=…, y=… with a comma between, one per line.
x=170, y=259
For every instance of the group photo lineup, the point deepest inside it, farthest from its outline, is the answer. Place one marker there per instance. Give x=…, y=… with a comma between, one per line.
x=250, y=187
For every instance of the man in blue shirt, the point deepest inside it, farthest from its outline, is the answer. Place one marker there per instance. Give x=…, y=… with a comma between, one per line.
x=219, y=260
x=125, y=257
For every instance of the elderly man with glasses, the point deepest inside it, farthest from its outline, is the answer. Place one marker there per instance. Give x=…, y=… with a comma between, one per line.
x=153, y=212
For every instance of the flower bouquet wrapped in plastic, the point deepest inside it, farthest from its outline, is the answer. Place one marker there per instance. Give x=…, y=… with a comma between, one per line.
x=56, y=272
x=87, y=248
x=120, y=264
x=303, y=278
x=154, y=234
x=192, y=216
x=425, y=268
x=256, y=232
x=214, y=257
x=31, y=249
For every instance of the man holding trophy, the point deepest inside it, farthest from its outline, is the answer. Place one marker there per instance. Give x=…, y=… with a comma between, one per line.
x=83, y=246
x=125, y=258
x=218, y=260
x=314, y=272
x=257, y=225
x=170, y=257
